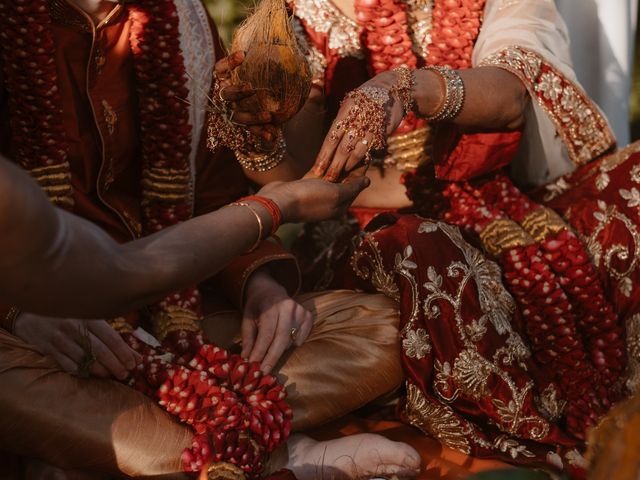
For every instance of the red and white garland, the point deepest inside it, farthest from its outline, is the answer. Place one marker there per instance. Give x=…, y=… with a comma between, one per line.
x=239, y=415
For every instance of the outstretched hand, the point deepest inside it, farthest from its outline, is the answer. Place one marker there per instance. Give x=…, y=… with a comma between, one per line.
x=343, y=150
x=313, y=199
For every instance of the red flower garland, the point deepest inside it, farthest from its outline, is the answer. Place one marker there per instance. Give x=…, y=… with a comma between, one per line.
x=238, y=413
x=602, y=333
x=549, y=320
x=39, y=143
x=456, y=25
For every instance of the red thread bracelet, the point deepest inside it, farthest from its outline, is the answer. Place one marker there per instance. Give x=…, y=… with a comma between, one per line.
x=271, y=207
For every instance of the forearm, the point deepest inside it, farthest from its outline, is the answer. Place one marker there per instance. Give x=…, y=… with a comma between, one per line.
x=87, y=274
x=494, y=98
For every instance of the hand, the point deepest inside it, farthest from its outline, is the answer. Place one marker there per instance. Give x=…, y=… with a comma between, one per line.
x=260, y=123
x=337, y=155
x=313, y=199
x=272, y=322
x=69, y=340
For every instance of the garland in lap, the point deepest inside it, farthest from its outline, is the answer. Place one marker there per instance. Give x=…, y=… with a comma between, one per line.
x=238, y=414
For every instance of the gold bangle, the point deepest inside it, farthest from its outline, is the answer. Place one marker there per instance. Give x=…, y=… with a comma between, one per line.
x=260, y=226
x=454, y=94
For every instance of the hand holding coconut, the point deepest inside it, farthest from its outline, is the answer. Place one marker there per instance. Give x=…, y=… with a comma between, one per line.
x=271, y=78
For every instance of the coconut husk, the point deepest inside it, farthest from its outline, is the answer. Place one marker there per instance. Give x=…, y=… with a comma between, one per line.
x=274, y=64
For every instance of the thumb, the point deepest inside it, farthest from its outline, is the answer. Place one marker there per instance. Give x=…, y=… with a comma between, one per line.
x=352, y=186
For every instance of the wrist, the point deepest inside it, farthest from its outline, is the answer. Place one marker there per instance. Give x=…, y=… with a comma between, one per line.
x=428, y=92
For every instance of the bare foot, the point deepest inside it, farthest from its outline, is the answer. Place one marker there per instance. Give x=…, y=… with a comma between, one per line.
x=355, y=456
x=38, y=470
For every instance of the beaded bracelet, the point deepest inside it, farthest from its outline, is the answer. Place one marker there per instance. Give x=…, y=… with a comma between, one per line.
x=404, y=87
x=271, y=207
x=260, y=225
x=263, y=162
x=454, y=94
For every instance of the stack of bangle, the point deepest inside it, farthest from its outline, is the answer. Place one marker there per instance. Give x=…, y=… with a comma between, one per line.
x=263, y=162
x=453, y=99
x=270, y=206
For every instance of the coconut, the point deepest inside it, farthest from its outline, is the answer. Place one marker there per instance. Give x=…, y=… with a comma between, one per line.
x=274, y=63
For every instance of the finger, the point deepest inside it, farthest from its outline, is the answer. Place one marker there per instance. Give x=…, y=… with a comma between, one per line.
x=107, y=358
x=67, y=346
x=264, y=134
x=359, y=153
x=306, y=326
x=114, y=342
x=248, y=331
x=266, y=331
x=66, y=363
x=329, y=145
x=97, y=370
x=340, y=158
x=351, y=187
x=224, y=67
x=282, y=338
x=233, y=93
x=246, y=118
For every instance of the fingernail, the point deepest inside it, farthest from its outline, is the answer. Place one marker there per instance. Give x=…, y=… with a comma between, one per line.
x=267, y=136
x=267, y=368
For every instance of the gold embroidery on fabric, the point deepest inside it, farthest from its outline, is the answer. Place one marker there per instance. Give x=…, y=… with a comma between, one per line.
x=110, y=117
x=443, y=383
x=498, y=306
x=503, y=234
x=420, y=14
x=174, y=318
x=606, y=215
x=382, y=280
x=549, y=403
x=512, y=447
x=323, y=17
x=471, y=372
x=633, y=353
x=556, y=188
x=437, y=420
x=317, y=61
x=577, y=119
x=543, y=222
x=416, y=343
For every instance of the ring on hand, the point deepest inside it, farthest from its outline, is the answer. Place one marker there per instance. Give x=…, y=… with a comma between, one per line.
x=293, y=333
x=222, y=99
x=365, y=142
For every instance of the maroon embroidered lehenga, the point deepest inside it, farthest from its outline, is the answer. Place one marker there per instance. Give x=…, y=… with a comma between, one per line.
x=514, y=307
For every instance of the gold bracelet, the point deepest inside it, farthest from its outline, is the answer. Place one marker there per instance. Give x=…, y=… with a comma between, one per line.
x=260, y=226
x=454, y=94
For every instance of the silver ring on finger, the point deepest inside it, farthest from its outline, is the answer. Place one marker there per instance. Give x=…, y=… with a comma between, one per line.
x=365, y=142
x=293, y=334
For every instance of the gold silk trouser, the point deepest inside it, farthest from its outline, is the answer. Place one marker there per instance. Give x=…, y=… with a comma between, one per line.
x=351, y=358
